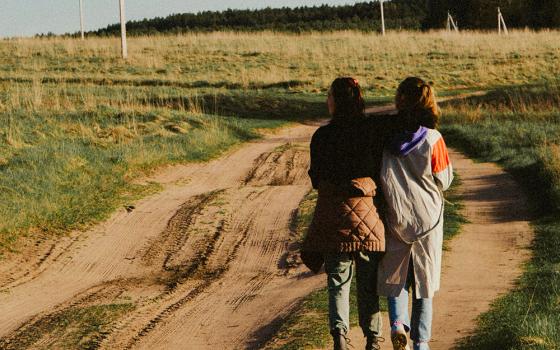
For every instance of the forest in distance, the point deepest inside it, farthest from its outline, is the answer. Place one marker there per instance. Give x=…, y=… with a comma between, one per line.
x=364, y=16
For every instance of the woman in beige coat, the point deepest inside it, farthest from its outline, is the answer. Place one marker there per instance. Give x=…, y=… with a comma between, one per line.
x=415, y=171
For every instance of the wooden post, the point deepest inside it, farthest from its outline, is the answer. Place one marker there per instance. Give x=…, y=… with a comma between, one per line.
x=453, y=24
x=82, y=18
x=499, y=21
x=382, y=17
x=504, y=24
x=124, y=47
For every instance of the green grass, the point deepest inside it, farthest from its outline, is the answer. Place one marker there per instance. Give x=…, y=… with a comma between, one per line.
x=453, y=217
x=305, y=212
x=64, y=170
x=74, y=328
x=307, y=327
x=519, y=128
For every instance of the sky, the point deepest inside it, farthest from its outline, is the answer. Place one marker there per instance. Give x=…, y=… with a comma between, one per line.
x=29, y=17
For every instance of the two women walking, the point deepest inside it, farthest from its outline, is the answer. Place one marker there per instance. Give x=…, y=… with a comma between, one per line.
x=379, y=214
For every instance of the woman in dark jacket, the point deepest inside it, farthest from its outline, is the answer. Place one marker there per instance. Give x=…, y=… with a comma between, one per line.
x=346, y=229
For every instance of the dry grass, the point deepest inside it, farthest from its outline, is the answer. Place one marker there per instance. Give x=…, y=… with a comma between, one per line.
x=223, y=59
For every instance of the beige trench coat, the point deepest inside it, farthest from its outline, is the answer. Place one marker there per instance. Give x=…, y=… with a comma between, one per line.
x=413, y=186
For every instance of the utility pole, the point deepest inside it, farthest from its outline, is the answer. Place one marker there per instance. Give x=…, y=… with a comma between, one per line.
x=124, y=47
x=382, y=17
x=501, y=23
x=82, y=18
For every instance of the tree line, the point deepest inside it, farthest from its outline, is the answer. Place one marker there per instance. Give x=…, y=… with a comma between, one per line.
x=482, y=14
x=365, y=16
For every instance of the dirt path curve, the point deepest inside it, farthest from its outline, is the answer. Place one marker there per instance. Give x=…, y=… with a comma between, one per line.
x=485, y=259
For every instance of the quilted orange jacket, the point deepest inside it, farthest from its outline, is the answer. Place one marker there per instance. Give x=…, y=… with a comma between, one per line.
x=346, y=219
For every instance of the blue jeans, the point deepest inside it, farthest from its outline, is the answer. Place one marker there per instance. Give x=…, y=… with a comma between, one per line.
x=421, y=326
x=340, y=268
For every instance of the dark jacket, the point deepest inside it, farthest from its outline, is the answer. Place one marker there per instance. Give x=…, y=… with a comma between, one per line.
x=345, y=150
x=346, y=160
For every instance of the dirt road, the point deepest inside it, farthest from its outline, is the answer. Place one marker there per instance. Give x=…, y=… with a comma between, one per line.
x=206, y=262
x=485, y=259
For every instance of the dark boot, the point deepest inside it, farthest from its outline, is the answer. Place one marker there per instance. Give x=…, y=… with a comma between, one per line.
x=340, y=340
x=372, y=342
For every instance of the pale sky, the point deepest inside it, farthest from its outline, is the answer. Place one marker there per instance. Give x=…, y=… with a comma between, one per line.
x=29, y=17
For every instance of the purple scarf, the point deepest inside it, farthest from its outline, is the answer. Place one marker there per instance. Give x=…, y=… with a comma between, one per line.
x=406, y=142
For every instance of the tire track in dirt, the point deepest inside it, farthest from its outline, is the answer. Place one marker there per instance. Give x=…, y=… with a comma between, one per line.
x=262, y=212
x=246, y=288
x=210, y=268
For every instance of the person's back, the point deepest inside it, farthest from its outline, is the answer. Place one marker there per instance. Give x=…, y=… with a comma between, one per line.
x=413, y=180
x=346, y=230
x=347, y=149
x=416, y=170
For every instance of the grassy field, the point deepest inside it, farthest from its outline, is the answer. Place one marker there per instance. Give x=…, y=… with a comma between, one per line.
x=60, y=170
x=306, y=62
x=77, y=124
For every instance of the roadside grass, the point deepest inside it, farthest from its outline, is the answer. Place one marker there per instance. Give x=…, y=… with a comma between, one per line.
x=305, y=212
x=519, y=128
x=307, y=327
x=454, y=220
x=74, y=328
x=61, y=171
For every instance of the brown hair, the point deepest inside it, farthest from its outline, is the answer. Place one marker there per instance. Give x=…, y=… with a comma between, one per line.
x=416, y=100
x=348, y=98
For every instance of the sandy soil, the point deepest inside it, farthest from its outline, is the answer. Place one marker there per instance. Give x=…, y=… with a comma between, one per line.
x=485, y=259
x=206, y=261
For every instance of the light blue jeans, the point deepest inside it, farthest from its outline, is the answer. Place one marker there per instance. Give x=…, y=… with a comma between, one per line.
x=340, y=268
x=421, y=326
